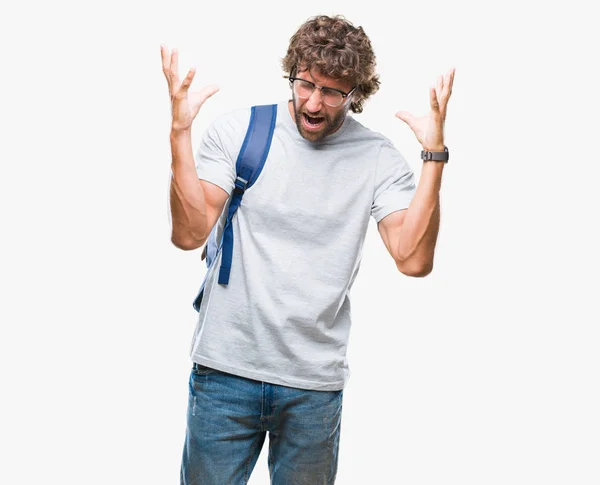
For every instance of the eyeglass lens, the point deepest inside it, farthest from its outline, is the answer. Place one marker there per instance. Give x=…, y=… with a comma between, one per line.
x=330, y=97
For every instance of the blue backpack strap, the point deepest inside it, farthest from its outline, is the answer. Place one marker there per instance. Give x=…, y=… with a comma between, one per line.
x=250, y=162
x=249, y=165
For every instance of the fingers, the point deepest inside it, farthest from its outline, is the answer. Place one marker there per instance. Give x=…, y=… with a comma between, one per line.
x=169, y=60
x=185, y=84
x=446, y=91
x=173, y=67
x=207, y=91
x=433, y=99
x=406, y=117
x=165, y=57
x=179, y=90
x=170, y=64
x=166, y=64
x=448, y=81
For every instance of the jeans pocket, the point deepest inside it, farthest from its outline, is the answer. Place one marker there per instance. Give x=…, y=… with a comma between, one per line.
x=201, y=370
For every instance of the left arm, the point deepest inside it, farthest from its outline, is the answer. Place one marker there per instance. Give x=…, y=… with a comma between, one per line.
x=410, y=235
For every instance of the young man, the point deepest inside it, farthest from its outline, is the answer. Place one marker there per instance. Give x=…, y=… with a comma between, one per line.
x=269, y=350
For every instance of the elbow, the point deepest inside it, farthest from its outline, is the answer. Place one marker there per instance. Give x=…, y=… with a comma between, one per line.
x=186, y=244
x=416, y=264
x=415, y=270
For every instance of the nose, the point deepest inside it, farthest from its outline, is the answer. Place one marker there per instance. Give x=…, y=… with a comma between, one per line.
x=314, y=102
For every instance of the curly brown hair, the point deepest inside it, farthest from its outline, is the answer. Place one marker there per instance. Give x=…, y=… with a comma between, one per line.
x=336, y=49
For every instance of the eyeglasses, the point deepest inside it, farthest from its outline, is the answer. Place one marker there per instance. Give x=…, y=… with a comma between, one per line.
x=331, y=97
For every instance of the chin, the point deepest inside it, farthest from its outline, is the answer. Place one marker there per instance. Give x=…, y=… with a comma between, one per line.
x=313, y=136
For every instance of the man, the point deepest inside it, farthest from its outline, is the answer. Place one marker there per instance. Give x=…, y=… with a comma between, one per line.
x=269, y=350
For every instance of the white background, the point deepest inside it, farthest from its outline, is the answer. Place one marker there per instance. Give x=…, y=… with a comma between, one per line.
x=485, y=372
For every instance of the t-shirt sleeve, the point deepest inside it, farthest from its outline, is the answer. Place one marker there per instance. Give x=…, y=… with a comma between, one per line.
x=394, y=183
x=213, y=158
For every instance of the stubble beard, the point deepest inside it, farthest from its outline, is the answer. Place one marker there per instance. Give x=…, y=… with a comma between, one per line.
x=331, y=125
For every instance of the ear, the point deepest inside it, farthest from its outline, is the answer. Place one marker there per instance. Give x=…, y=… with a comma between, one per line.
x=355, y=99
x=355, y=106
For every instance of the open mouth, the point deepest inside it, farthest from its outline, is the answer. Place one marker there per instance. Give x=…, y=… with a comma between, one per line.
x=312, y=122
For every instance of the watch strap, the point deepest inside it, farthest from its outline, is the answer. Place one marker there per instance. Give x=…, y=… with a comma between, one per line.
x=435, y=156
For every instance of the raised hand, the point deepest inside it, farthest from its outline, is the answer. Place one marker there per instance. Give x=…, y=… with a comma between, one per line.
x=429, y=129
x=184, y=105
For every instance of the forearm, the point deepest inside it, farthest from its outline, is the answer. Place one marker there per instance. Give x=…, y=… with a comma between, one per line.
x=419, y=231
x=188, y=205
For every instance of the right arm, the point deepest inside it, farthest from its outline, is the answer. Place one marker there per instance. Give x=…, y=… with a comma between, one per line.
x=195, y=204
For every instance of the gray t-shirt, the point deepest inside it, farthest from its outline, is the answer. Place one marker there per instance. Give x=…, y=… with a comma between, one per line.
x=284, y=317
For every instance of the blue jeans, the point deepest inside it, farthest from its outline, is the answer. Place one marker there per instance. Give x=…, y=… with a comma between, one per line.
x=228, y=419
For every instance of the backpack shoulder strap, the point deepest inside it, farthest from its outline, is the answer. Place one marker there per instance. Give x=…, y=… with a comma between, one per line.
x=249, y=165
x=250, y=162
x=255, y=148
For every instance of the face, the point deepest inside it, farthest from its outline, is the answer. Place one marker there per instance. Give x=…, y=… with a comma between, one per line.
x=314, y=119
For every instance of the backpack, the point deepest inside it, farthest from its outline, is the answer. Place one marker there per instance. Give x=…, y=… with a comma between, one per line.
x=249, y=164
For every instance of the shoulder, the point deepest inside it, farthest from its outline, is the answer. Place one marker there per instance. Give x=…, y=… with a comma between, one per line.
x=227, y=130
x=230, y=121
x=358, y=132
x=388, y=158
x=233, y=123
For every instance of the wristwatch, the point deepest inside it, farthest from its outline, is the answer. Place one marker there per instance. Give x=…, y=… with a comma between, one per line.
x=436, y=156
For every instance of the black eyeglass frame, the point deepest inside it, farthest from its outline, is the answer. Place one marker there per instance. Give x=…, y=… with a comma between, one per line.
x=315, y=86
